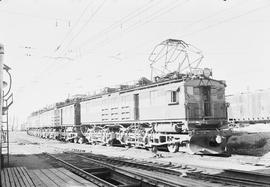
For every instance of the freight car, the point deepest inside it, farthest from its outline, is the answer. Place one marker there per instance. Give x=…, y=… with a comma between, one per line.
x=249, y=108
x=183, y=110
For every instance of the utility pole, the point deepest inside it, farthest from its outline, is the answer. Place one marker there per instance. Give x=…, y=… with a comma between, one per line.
x=1, y=103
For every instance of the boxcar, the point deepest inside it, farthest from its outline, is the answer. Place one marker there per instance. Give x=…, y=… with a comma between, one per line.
x=250, y=107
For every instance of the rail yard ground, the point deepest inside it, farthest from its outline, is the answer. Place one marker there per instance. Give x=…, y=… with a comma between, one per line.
x=251, y=140
x=27, y=151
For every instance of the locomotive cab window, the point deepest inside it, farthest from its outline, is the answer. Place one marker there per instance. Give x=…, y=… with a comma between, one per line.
x=174, y=97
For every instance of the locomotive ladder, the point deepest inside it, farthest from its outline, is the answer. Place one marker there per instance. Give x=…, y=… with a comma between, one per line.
x=5, y=130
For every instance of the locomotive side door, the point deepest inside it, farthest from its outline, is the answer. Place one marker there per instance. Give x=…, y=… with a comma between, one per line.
x=136, y=107
x=206, y=100
x=192, y=104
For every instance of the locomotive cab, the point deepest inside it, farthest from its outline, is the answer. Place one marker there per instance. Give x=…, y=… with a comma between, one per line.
x=205, y=104
x=205, y=112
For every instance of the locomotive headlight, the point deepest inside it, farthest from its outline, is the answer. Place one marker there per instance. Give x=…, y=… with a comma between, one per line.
x=207, y=72
x=218, y=139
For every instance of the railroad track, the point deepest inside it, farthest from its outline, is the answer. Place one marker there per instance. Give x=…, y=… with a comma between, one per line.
x=189, y=174
x=110, y=175
x=224, y=177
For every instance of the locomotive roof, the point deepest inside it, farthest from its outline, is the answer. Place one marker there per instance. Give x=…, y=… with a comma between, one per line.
x=149, y=84
x=153, y=84
x=45, y=109
x=67, y=102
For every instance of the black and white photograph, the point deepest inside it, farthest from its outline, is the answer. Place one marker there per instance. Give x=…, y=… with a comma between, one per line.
x=134, y=93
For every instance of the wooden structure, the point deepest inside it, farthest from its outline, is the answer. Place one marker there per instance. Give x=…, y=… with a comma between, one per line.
x=22, y=177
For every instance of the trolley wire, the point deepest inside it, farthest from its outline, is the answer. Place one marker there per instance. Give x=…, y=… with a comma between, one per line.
x=47, y=70
x=51, y=69
x=192, y=24
x=86, y=23
x=123, y=20
x=75, y=25
x=213, y=25
x=228, y=19
x=225, y=20
x=157, y=13
x=154, y=15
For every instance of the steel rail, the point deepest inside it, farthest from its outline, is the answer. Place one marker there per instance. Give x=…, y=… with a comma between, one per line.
x=248, y=178
x=84, y=174
x=156, y=181
x=228, y=179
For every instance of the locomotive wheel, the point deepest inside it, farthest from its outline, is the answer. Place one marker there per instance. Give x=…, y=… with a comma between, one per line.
x=80, y=141
x=128, y=145
x=154, y=149
x=173, y=148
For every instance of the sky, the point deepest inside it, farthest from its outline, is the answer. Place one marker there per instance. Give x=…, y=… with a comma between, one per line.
x=60, y=48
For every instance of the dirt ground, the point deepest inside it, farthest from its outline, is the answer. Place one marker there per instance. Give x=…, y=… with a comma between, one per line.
x=256, y=143
x=27, y=151
x=250, y=140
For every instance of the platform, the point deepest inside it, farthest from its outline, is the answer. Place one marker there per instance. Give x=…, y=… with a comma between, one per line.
x=22, y=177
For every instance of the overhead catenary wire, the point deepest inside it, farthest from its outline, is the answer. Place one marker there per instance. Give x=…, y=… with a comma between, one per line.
x=81, y=29
x=196, y=22
x=187, y=33
x=225, y=20
x=123, y=20
x=201, y=20
x=136, y=25
x=228, y=20
x=160, y=12
x=86, y=23
x=58, y=57
x=216, y=13
x=47, y=69
x=74, y=26
x=131, y=15
x=154, y=15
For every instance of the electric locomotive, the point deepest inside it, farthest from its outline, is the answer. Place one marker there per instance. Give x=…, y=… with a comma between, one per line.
x=179, y=110
x=59, y=121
